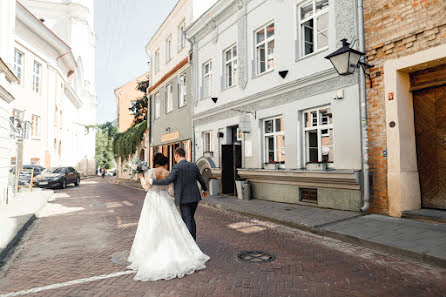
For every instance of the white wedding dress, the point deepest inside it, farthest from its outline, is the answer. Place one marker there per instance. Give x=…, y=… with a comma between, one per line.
x=163, y=248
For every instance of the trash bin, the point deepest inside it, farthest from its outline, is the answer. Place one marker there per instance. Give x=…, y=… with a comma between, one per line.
x=246, y=192
x=239, y=185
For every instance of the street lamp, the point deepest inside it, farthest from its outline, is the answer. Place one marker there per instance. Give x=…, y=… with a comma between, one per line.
x=345, y=60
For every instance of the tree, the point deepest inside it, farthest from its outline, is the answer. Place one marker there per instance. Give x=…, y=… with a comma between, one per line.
x=105, y=134
x=140, y=108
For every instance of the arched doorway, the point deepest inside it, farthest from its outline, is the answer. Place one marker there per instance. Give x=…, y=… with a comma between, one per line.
x=142, y=154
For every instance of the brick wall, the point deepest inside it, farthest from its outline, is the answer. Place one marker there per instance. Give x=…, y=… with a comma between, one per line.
x=394, y=29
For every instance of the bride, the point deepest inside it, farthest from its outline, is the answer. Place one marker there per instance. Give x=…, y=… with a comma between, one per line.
x=163, y=248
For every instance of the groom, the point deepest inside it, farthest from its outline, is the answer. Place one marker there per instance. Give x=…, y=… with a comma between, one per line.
x=185, y=175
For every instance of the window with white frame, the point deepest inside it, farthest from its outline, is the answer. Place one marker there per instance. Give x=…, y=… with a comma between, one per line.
x=169, y=99
x=274, y=133
x=230, y=58
x=18, y=64
x=157, y=105
x=157, y=61
x=168, y=49
x=35, y=128
x=207, y=79
x=264, y=39
x=37, y=76
x=207, y=139
x=182, y=90
x=181, y=36
x=313, y=24
x=18, y=114
x=318, y=129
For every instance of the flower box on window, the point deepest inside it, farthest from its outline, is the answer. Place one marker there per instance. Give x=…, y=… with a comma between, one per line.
x=271, y=166
x=317, y=166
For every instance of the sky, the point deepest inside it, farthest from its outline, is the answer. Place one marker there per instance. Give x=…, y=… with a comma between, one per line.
x=123, y=29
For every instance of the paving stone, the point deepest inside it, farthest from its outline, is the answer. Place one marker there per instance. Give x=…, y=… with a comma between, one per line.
x=78, y=241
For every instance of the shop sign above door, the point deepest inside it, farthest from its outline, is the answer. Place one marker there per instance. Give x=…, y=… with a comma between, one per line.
x=170, y=137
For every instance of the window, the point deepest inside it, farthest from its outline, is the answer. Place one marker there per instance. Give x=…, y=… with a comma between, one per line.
x=157, y=61
x=313, y=23
x=19, y=114
x=318, y=130
x=181, y=36
x=230, y=58
x=35, y=130
x=264, y=39
x=207, y=79
x=37, y=73
x=35, y=161
x=168, y=49
x=169, y=99
x=132, y=106
x=207, y=138
x=157, y=105
x=274, y=133
x=182, y=90
x=18, y=65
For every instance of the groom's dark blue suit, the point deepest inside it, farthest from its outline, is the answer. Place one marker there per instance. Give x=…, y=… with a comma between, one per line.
x=184, y=177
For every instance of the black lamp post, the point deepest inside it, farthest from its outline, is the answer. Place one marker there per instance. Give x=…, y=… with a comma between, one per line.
x=345, y=60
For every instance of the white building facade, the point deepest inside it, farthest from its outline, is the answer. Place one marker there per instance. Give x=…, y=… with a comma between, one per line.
x=269, y=108
x=55, y=93
x=7, y=79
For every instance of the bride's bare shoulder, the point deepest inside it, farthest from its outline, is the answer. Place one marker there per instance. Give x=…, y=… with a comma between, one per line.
x=161, y=173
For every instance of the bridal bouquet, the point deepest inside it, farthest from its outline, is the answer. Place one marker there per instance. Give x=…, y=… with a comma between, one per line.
x=135, y=166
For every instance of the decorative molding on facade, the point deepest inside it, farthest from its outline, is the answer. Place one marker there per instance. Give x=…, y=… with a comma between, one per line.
x=337, y=179
x=318, y=83
x=428, y=34
x=9, y=74
x=242, y=47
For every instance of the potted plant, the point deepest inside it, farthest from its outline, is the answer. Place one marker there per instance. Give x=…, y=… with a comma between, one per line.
x=213, y=186
x=272, y=165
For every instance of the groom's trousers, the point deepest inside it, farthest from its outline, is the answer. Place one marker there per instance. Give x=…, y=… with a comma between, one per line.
x=187, y=213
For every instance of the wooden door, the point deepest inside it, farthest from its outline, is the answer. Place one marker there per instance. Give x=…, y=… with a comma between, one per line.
x=430, y=131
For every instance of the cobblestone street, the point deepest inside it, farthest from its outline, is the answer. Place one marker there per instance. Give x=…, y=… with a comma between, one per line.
x=69, y=250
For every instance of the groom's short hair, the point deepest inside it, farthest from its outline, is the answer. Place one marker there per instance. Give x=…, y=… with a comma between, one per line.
x=180, y=152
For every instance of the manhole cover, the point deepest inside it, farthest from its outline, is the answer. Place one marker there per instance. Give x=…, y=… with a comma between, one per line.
x=256, y=257
x=120, y=258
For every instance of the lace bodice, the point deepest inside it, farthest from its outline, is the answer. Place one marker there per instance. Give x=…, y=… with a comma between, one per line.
x=151, y=175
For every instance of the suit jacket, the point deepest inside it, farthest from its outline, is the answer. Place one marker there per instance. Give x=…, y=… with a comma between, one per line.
x=184, y=177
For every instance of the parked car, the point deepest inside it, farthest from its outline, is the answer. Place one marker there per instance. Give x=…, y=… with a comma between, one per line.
x=58, y=177
x=37, y=169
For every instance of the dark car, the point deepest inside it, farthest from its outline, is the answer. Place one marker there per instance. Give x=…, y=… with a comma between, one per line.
x=58, y=177
x=37, y=169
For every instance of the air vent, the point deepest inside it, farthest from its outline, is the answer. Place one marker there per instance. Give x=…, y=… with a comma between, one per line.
x=308, y=195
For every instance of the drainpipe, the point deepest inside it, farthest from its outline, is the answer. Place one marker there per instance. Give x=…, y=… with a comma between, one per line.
x=189, y=60
x=149, y=108
x=364, y=131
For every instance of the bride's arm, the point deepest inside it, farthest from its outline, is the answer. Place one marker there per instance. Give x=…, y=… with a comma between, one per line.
x=144, y=182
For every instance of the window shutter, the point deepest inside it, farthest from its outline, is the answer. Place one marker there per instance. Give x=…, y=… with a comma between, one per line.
x=253, y=68
x=222, y=82
x=201, y=92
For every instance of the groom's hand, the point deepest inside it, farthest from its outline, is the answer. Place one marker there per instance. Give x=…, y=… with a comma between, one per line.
x=204, y=194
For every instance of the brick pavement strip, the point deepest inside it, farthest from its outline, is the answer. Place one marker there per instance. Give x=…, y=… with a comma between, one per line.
x=79, y=232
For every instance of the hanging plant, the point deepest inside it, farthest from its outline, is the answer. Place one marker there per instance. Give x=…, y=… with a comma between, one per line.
x=126, y=143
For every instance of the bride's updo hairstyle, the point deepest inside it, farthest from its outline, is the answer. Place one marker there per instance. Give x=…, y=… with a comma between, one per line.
x=160, y=160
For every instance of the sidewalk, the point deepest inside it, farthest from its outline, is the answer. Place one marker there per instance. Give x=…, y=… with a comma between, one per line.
x=424, y=241
x=18, y=215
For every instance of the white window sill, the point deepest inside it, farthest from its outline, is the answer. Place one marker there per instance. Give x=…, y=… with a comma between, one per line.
x=312, y=54
x=228, y=88
x=264, y=73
